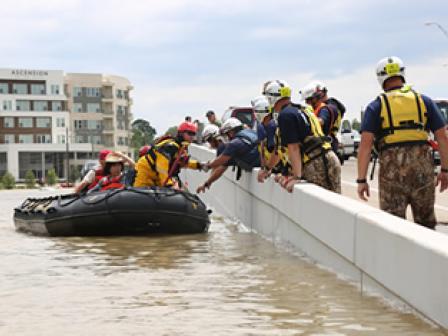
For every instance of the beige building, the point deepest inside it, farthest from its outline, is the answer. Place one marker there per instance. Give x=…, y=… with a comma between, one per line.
x=51, y=120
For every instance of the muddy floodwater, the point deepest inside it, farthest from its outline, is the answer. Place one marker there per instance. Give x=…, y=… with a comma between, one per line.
x=226, y=282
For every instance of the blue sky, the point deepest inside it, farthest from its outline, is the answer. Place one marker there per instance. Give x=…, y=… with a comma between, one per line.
x=185, y=57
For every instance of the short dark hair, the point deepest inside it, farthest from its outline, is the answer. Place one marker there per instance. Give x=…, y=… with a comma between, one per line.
x=209, y=113
x=107, y=166
x=187, y=118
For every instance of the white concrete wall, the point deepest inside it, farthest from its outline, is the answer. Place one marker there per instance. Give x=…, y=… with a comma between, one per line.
x=380, y=252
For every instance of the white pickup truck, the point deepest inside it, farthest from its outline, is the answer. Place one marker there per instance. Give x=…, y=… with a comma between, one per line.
x=346, y=138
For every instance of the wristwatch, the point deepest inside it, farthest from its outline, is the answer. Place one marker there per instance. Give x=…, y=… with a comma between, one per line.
x=361, y=181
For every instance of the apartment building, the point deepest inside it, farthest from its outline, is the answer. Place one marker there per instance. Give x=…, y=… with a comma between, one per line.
x=51, y=120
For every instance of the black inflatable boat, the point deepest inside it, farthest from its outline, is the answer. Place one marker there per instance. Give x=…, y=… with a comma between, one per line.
x=129, y=211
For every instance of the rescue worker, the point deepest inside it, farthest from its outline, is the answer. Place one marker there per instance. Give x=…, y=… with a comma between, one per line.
x=114, y=175
x=242, y=149
x=213, y=137
x=398, y=121
x=162, y=163
x=328, y=111
x=273, y=157
x=94, y=175
x=211, y=117
x=309, y=151
x=143, y=150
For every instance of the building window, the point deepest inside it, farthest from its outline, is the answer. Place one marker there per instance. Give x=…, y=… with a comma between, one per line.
x=77, y=91
x=56, y=106
x=54, y=89
x=40, y=106
x=81, y=139
x=93, y=92
x=120, y=124
x=7, y=105
x=10, y=138
x=25, y=138
x=4, y=88
x=43, y=138
x=60, y=122
x=61, y=139
x=95, y=139
x=119, y=93
x=77, y=107
x=120, y=141
x=8, y=122
x=93, y=107
x=38, y=89
x=23, y=105
x=25, y=122
x=120, y=110
x=18, y=88
x=43, y=122
x=94, y=124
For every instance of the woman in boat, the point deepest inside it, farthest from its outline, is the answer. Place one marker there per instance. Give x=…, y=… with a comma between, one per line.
x=114, y=175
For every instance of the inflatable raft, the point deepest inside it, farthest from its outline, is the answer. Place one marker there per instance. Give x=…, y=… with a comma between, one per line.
x=129, y=211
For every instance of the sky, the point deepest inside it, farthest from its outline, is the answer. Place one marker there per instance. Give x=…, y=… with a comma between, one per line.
x=185, y=57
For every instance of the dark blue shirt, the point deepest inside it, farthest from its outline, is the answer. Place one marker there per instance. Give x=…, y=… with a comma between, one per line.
x=325, y=114
x=267, y=133
x=220, y=150
x=372, y=116
x=294, y=126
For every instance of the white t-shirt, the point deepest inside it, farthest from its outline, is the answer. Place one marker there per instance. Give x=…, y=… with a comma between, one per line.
x=89, y=178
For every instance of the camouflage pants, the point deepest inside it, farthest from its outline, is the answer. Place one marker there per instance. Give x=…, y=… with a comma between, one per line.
x=316, y=170
x=406, y=177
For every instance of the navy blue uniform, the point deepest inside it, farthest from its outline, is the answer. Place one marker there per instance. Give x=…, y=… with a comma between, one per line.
x=294, y=127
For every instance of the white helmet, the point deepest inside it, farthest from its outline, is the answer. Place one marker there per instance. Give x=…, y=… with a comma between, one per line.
x=314, y=89
x=261, y=107
x=230, y=124
x=276, y=90
x=389, y=67
x=210, y=132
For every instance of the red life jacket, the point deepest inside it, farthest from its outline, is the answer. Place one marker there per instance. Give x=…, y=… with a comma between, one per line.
x=99, y=174
x=107, y=183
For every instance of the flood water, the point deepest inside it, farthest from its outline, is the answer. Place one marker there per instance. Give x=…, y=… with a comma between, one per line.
x=225, y=282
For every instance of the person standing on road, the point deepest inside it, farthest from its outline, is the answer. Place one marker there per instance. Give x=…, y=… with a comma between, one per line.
x=301, y=132
x=399, y=121
x=211, y=117
x=328, y=111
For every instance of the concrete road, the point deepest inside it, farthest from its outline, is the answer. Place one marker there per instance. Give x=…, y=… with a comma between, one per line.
x=349, y=189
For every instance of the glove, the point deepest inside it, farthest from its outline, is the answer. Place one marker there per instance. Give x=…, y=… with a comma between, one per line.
x=203, y=166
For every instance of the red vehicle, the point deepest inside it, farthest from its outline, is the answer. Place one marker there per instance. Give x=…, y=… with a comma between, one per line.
x=244, y=114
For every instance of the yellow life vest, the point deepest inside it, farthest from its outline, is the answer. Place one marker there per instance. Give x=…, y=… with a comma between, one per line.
x=403, y=118
x=335, y=118
x=316, y=140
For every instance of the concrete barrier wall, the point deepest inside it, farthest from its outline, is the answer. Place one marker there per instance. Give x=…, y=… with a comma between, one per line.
x=380, y=252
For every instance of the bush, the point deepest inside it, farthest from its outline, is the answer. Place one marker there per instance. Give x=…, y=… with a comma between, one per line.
x=30, y=179
x=8, y=181
x=2, y=186
x=74, y=174
x=51, y=177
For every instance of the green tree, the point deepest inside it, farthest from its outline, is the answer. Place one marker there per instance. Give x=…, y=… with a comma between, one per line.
x=171, y=131
x=8, y=181
x=142, y=134
x=30, y=179
x=356, y=125
x=51, y=177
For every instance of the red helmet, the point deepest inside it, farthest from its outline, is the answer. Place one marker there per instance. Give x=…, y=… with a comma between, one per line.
x=103, y=154
x=143, y=150
x=187, y=127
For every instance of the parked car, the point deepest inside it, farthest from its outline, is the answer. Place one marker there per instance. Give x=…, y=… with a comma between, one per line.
x=88, y=165
x=245, y=114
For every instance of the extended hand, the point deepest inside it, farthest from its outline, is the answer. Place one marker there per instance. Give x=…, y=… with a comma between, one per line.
x=442, y=179
x=363, y=191
x=262, y=175
x=202, y=188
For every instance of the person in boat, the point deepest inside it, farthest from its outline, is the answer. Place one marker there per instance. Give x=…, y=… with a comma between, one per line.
x=114, y=175
x=94, y=175
x=242, y=149
x=161, y=165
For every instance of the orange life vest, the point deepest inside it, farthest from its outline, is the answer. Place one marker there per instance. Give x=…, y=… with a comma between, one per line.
x=107, y=183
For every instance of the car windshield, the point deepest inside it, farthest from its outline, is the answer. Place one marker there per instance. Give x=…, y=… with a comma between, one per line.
x=245, y=116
